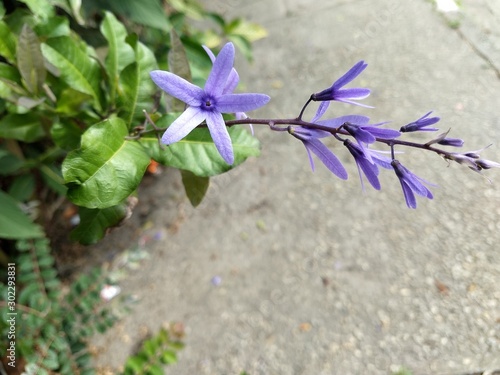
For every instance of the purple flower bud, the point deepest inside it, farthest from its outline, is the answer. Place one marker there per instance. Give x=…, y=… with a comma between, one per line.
x=454, y=142
x=410, y=184
x=421, y=124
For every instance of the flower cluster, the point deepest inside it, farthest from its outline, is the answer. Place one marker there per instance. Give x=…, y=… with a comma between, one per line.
x=206, y=106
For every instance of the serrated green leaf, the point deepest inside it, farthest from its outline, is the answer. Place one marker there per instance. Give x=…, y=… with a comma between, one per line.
x=30, y=60
x=22, y=187
x=7, y=43
x=14, y=223
x=107, y=168
x=195, y=187
x=120, y=54
x=197, y=153
x=66, y=135
x=179, y=65
x=79, y=70
x=136, y=89
x=95, y=222
x=23, y=127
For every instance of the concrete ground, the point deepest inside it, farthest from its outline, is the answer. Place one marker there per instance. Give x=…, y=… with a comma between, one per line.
x=313, y=276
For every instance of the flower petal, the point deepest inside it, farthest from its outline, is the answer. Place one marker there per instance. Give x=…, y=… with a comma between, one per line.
x=371, y=172
x=232, y=80
x=327, y=157
x=338, y=121
x=183, y=125
x=321, y=111
x=350, y=75
x=232, y=103
x=177, y=87
x=216, y=81
x=220, y=136
x=382, y=133
x=411, y=202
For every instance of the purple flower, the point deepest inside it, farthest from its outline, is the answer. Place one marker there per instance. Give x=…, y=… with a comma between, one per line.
x=209, y=103
x=231, y=84
x=336, y=92
x=421, y=124
x=359, y=128
x=363, y=163
x=411, y=184
x=310, y=139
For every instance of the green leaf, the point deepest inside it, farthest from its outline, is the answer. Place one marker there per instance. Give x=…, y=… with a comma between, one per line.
x=247, y=30
x=53, y=27
x=136, y=88
x=79, y=70
x=195, y=187
x=70, y=102
x=9, y=163
x=134, y=365
x=169, y=357
x=144, y=12
x=120, y=54
x=22, y=187
x=66, y=135
x=30, y=60
x=95, y=222
x=52, y=177
x=190, y=8
x=14, y=223
x=197, y=153
x=155, y=369
x=179, y=65
x=23, y=127
x=107, y=168
x=10, y=78
x=42, y=9
x=7, y=43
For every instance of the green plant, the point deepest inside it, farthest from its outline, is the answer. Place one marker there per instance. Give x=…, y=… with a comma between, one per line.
x=156, y=352
x=74, y=84
x=51, y=323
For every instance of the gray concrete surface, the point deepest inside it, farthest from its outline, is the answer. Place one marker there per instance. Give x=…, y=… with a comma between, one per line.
x=318, y=277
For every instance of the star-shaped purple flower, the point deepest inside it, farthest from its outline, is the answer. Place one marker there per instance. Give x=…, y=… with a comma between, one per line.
x=209, y=103
x=337, y=93
x=411, y=184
